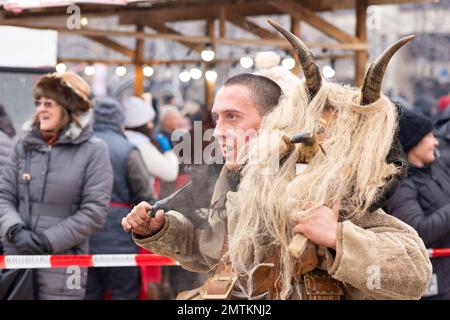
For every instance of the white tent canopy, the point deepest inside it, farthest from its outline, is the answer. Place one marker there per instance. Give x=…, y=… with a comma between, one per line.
x=17, y=5
x=28, y=48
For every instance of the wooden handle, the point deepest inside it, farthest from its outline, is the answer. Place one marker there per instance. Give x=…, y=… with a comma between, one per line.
x=298, y=245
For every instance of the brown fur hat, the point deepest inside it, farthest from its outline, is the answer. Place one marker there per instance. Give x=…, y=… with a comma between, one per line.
x=68, y=89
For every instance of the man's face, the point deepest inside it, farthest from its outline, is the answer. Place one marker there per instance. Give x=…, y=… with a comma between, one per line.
x=237, y=120
x=173, y=121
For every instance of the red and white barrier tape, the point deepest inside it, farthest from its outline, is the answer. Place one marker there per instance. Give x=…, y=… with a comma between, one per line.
x=439, y=252
x=113, y=260
x=88, y=260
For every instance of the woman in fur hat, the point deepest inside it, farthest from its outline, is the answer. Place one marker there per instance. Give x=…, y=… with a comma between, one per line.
x=55, y=188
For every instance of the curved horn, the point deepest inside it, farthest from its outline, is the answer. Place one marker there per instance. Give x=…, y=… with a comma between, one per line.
x=371, y=89
x=310, y=69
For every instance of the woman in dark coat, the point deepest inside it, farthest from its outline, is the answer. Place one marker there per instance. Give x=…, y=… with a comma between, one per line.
x=423, y=199
x=56, y=186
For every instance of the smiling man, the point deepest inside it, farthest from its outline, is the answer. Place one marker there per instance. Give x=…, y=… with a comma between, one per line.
x=237, y=111
x=238, y=108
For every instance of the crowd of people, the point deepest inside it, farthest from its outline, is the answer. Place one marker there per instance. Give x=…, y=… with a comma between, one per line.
x=84, y=170
x=74, y=173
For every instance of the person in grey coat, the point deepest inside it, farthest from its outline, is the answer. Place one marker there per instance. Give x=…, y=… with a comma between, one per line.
x=55, y=188
x=132, y=184
x=7, y=132
x=6, y=146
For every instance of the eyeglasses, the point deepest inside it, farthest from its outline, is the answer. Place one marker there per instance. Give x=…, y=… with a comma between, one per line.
x=47, y=104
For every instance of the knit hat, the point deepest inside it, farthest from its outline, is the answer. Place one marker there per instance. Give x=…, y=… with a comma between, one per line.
x=137, y=112
x=109, y=112
x=412, y=128
x=67, y=88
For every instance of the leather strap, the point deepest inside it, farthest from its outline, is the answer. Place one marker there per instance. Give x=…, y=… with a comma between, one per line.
x=319, y=285
x=222, y=282
x=27, y=177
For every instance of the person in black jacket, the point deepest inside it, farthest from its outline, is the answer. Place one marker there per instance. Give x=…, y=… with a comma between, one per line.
x=442, y=133
x=423, y=198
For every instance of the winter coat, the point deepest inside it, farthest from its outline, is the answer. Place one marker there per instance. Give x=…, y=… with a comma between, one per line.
x=423, y=201
x=70, y=191
x=372, y=240
x=442, y=133
x=6, y=124
x=6, y=146
x=161, y=165
x=132, y=184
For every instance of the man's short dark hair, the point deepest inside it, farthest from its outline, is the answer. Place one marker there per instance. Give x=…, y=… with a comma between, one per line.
x=265, y=92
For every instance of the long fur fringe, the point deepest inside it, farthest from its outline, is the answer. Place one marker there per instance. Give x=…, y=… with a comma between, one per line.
x=353, y=169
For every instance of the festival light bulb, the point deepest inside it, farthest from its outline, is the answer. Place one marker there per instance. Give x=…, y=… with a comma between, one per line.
x=121, y=71
x=196, y=73
x=185, y=76
x=328, y=72
x=89, y=70
x=148, y=71
x=84, y=21
x=211, y=75
x=246, y=62
x=61, y=67
x=288, y=63
x=208, y=54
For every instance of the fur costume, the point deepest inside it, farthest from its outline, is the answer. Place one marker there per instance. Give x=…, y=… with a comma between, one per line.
x=360, y=169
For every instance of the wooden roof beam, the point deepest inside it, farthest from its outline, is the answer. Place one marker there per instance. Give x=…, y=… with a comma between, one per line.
x=154, y=62
x=113, y=33
x=198, y=12
x=282, y=43
x=138, y=64
x=247, y=25
x=302, y=13
x=111, y=44
x=361, y=33
x=151, y=62
x=202, y=40
x=161, y=27
x=191, y=11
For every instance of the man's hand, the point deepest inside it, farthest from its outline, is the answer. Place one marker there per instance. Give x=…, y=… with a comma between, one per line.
x=140, y=222
x=320, y=226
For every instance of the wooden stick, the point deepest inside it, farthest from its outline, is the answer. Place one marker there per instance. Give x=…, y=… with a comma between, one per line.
x=298, y=245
